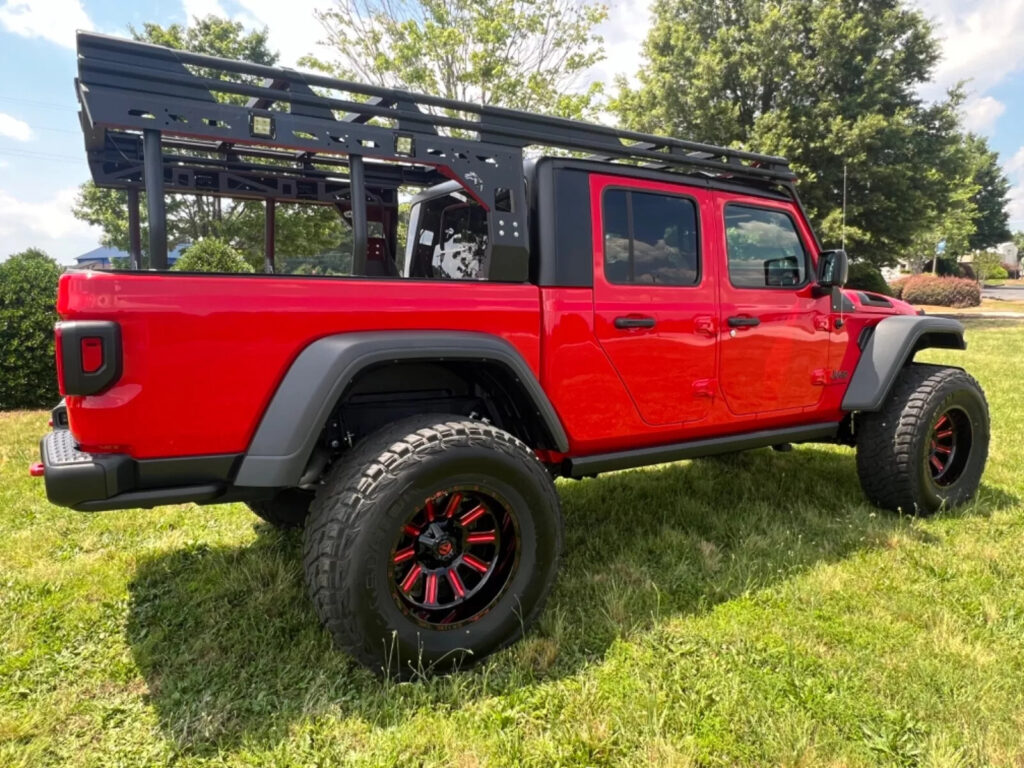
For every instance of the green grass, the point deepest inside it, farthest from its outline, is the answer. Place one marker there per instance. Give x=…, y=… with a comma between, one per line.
x=747, y=611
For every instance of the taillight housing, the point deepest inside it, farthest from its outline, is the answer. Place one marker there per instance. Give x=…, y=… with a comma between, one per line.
x=88, y=356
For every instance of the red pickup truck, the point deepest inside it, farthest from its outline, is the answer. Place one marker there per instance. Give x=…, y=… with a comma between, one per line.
x=546, y=316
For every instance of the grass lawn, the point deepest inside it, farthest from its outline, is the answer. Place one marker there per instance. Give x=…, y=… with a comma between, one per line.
x=749, y=611
x=987, y=307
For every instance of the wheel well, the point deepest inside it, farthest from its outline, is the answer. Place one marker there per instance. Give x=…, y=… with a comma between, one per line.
x=382, y=394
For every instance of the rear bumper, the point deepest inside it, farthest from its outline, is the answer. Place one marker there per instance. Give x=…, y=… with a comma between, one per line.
x=93, y=482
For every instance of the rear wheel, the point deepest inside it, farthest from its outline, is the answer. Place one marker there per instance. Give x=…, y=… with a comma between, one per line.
x=434, y=544
x=928, y=445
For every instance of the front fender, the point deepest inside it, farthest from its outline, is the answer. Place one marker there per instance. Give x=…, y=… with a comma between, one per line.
x=891, y=345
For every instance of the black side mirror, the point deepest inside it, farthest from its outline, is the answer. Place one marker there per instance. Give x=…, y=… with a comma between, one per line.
x=833, y=269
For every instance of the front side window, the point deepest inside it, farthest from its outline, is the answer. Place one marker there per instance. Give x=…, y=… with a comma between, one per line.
x=650, y=238
x=764, y=248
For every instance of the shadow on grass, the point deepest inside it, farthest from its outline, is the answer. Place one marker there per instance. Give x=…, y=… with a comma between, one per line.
x=232, y=652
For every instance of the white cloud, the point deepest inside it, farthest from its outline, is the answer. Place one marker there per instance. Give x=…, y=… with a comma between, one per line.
x=981, y=113
x=47, y=224
x=294, y=31
x=982, y=40
x=13, y=128
x=1016, y=163
x=53, y=20
x=624, y=33
x=200, y=9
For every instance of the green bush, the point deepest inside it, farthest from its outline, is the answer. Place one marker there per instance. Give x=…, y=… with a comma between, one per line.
x=28, y=299
x=998, y=273
x=212, y=254
x=867, y=277
x=941, y=291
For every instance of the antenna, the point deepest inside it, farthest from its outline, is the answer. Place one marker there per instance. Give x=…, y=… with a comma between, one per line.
x=844, y=205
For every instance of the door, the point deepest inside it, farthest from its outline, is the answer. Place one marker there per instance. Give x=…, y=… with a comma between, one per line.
x=654, y=294
x=775, y=328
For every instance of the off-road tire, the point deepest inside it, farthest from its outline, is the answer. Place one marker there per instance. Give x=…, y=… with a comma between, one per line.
x=286, y=509
x=361, y=505
x=894, y=445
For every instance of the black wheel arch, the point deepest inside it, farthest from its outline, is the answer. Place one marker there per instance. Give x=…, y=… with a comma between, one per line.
x=891, y=346
x=330, y=369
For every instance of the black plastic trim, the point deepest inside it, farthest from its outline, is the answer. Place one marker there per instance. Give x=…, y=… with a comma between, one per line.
x=640, y=457
x=94, y=481
x=287, y=434
x=873, y=300
x=564, y=246
x=196, y=494
x=892, y=345
x=75, y=380
x=59, y=415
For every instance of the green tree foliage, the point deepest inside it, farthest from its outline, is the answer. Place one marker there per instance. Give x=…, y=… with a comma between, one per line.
x=212, y=254
x=28, y=297
x=302, y=231
x=865, y=276
x=988, y=265
x=524, y=54
x=826, y=83
x=991, y=224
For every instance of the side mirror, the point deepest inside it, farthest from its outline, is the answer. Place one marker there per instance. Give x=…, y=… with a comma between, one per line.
x=833, y=269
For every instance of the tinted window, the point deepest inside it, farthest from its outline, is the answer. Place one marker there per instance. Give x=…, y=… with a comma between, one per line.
x=650, y=238
x=764, y=248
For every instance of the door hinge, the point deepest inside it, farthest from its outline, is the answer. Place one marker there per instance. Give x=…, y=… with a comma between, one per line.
x=705, y=387
x=819, y=376
x=821, y=322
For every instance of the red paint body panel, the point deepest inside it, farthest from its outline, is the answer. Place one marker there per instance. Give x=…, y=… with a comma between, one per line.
x=204, y=354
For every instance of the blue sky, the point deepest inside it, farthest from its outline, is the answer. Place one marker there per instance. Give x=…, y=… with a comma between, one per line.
x=42, y=161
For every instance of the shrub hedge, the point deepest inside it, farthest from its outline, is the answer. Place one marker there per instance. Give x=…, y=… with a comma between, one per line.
x=867, y=277
x=28, y=312
x=940, y=291
x=211, y=254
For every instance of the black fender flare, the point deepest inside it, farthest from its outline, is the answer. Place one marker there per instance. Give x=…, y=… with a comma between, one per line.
x=287, y=433
x=891, y=345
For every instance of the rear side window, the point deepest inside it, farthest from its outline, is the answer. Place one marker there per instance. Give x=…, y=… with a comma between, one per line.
x=764, y=248
x=650, y=238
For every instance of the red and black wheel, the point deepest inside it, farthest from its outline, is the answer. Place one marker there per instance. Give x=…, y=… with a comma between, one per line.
x=455, y=557
x=928, y=445
x=435, y=544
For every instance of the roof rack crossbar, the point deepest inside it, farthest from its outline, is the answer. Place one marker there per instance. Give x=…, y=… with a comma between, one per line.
x=144, y=68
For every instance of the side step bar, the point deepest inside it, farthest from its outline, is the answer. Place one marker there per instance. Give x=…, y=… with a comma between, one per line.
x=584, y=466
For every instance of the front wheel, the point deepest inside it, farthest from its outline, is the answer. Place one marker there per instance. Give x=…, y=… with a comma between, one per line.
x=928, y=445
x=433, y=545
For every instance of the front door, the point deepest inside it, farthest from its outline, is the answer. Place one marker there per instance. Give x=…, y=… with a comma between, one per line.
x=774, y=325
x=654, y=294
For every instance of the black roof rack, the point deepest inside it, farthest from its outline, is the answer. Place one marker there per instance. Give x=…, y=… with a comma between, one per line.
x=223, y=127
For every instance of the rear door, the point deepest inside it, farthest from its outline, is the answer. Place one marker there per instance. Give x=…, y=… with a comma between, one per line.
x=654, y=294
x=775, y=328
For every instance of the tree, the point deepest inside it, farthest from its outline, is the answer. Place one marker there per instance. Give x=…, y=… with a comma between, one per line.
x=988, y=265
x=829, y=84
x=302, y=231
x=28, y=298
x=991, y=224
x=523, y=54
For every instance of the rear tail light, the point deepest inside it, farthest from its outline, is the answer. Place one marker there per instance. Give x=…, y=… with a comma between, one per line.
x=88, y=356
